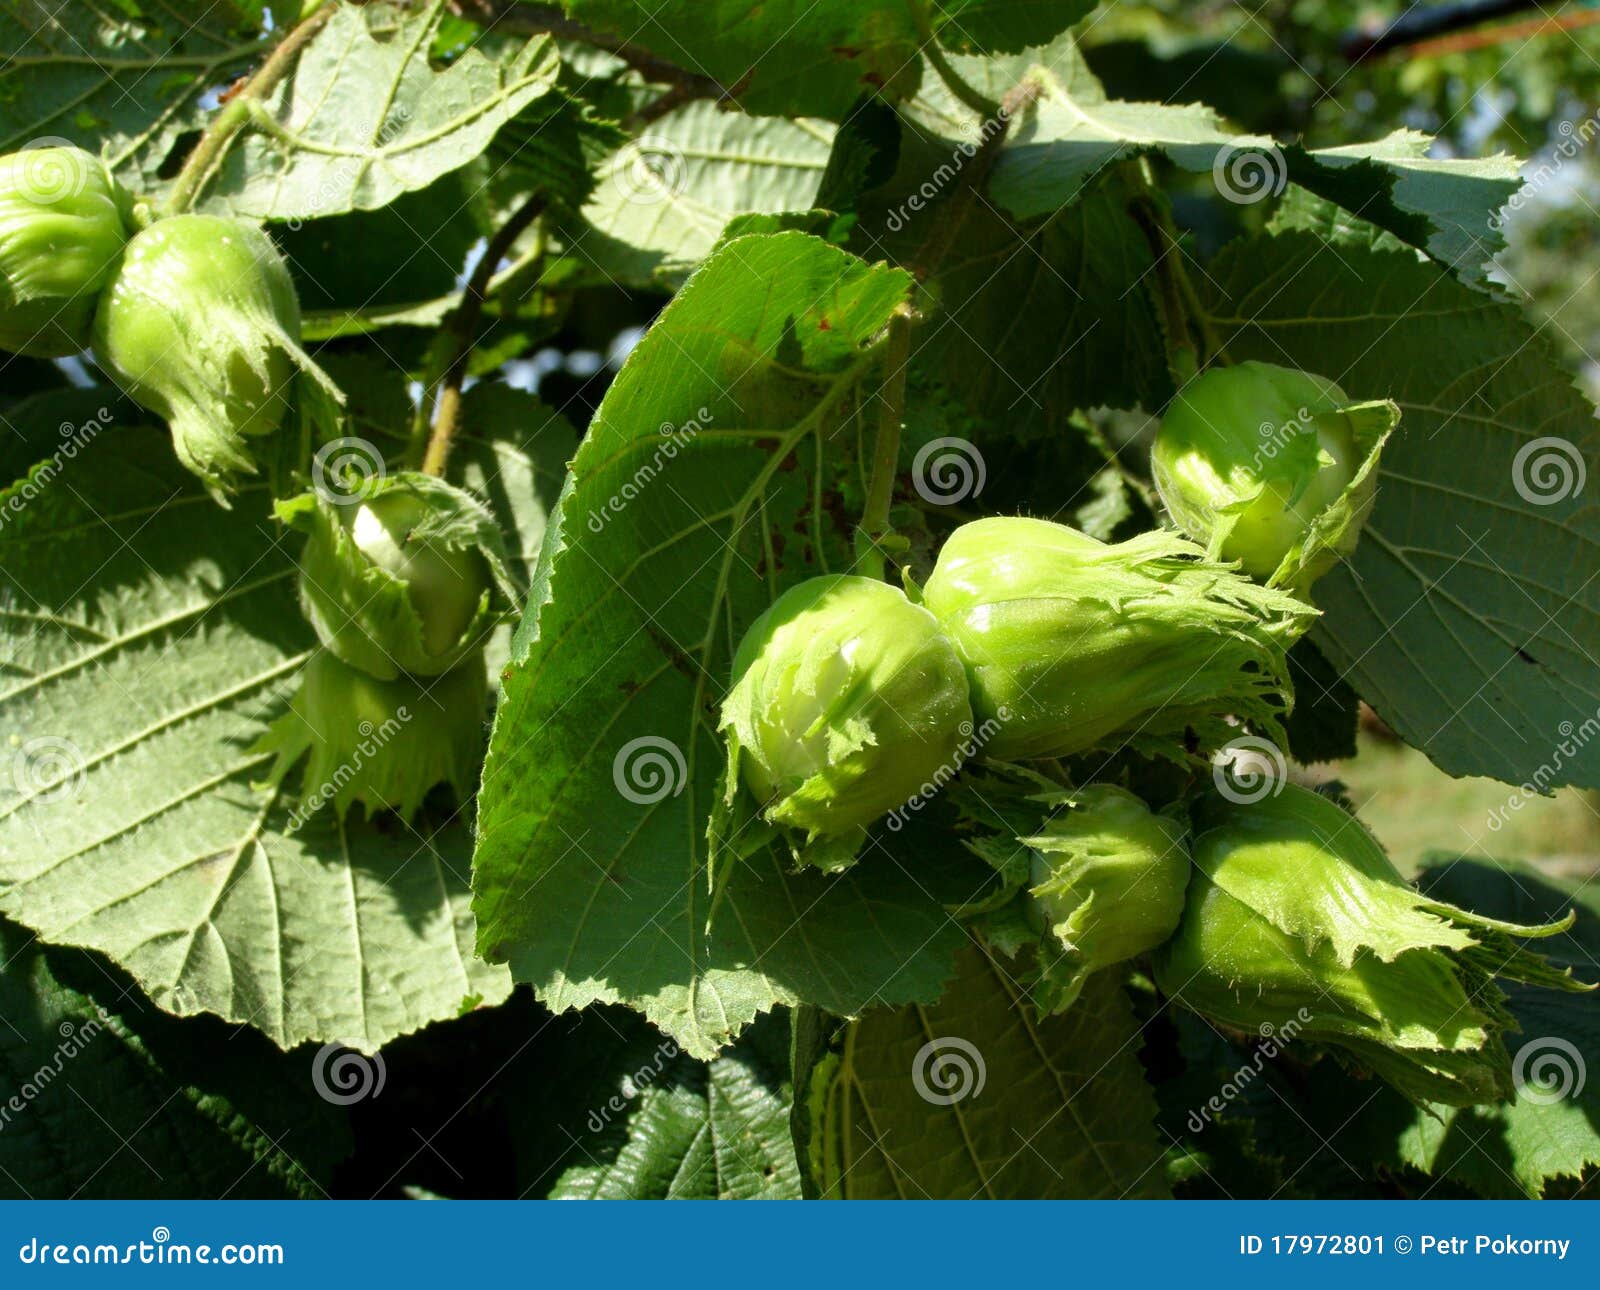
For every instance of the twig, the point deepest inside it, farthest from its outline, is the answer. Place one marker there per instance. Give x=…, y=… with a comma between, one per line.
x=219, y=134
x=1521, y=32
x=461, y=330
x=674, y=97
x=1421, y=24
x=1197, y=310
x=686, y=92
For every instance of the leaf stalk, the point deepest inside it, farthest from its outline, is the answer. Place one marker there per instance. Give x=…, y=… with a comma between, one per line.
x=874, y=530
x=200, y=163
x=934, y=53
x=1182, y=311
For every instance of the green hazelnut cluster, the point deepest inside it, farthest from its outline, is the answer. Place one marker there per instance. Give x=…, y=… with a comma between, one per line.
x=197, y=319
x=1296, y=922
x=1277, y=915
x=194, y=316
x=850, y=699
x=402, y=584
x=1031, y=643
x=843, y=702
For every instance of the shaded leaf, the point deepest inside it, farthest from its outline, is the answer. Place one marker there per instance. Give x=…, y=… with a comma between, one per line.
x=1038, y=319
x=979, y=1097
x=106, y=1097
x=1322, y=726
x=411, y=250
x=1003, y=26
x=636, y=1119
x=803, y=57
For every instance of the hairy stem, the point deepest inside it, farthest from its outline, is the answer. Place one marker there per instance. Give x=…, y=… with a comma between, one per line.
x=983, y=106
x=886, y=444
x=460, y=330
x=949, y=218
x=227, y=123
x=1182, y=310
x=874, y=535
x=1182, y=353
